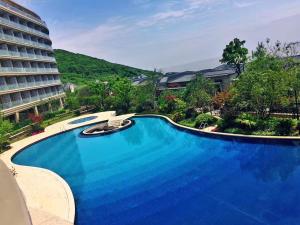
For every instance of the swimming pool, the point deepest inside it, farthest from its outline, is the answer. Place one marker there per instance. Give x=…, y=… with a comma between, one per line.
x=86, y=119
x=153, y=173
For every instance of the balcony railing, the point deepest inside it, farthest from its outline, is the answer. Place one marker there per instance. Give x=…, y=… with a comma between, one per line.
x=12, y=104
x=23, y=41
x=10, y=87
x=22, y=12
x=7, y=22
x=26, y=55
x=27, y=70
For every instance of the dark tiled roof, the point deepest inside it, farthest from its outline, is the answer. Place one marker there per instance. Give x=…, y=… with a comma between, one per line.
x=222, y=70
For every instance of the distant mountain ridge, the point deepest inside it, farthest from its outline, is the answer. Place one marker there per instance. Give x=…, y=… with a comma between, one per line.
x=79, y=69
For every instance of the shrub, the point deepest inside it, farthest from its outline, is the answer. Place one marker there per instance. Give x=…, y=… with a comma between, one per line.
x=285, y=127
x=264, y=133
x=187, y=123
x=190, y=113
x=225, y=123
x=205, y=119
x=234, y=131
x=49, y=115
x=298, y=126
x=5, y=128
x=35, y=118
x=37, y=127
x=178, y=116
x=246, y=122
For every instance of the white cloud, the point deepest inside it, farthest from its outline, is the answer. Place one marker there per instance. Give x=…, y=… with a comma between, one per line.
x=162, y=17
x=97, y=41
x=189, y=30
x=175, y=10
x=245, y=4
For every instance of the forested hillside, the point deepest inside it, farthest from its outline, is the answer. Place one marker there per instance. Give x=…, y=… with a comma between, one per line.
x=80, y=69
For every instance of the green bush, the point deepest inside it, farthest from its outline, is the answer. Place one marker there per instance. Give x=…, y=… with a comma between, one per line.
x=246, y=122
x=178, y=116
x=190, y=113
x=49, y=115
x=234, y=131
x=264, y=133
x=285, y=127
x=187, y=123
x=37, y=127
x=224, y=124
x=21, y=124
x=205, y=119
x=298, y=126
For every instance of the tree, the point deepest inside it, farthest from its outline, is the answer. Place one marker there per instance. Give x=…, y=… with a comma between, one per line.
x=100, y=91
x=235, y=54
x=262, y=86
x=142, y=98
x=121, y=94
x=221, y=98
x=293, y=84
x=199, y=94
x=5, y=128
x=284, y=53
x=260, y=51
x=72, y=101
x=152, y=86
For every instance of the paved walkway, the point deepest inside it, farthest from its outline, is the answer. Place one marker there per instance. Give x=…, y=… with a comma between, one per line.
x=48, y=196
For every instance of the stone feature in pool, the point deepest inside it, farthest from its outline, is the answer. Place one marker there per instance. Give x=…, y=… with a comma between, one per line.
x=155, y=174
x=83, y=120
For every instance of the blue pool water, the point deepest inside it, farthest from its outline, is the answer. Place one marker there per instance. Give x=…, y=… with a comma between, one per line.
x=154, y=174
x=86, y=119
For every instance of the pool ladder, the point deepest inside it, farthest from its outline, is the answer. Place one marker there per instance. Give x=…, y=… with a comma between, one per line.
x=203, y=126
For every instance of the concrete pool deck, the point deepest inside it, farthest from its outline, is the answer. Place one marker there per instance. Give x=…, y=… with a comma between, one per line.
x=48, y=197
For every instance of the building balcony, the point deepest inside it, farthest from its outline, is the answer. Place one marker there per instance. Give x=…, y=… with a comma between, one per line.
x=22, y=41
x=23, y=28
x=12, y=104
x=28, y=85
x=27, y=70
x=12, y=8
x=27, y=56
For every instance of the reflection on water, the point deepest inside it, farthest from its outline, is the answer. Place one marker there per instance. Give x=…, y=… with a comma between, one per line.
x=278, y=165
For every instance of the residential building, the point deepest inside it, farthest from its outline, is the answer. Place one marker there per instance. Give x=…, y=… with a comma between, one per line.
x=222, y=76
x=29, y=77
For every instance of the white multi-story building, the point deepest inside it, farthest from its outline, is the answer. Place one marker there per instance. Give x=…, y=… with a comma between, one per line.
x=29, y=77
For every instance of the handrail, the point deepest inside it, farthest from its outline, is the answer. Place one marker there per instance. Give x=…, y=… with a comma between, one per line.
x=24, y=28
x=22, y=12
x=16, y=86
x=26, y=55
x=27, y=70
x=10, y=38
x=12, y=104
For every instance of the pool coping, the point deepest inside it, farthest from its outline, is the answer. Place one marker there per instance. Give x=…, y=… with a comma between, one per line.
x=91, y=135
x=223, y=135
x=53, y=130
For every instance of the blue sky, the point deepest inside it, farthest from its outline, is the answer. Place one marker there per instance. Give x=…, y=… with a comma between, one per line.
x=164, y=33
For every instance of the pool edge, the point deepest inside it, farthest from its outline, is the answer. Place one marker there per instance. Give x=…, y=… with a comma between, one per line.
x=56, y=129
x=223, y=135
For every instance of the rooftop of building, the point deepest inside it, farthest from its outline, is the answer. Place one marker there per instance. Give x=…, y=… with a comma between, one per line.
x=187, y=76
x=22, y=8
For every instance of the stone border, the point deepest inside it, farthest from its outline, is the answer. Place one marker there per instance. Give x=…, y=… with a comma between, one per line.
x=77, y=121
x=89, y=135
x=53, y=130
x=280, y=139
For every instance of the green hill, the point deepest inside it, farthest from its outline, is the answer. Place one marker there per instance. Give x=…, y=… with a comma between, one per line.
x=80, y=69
